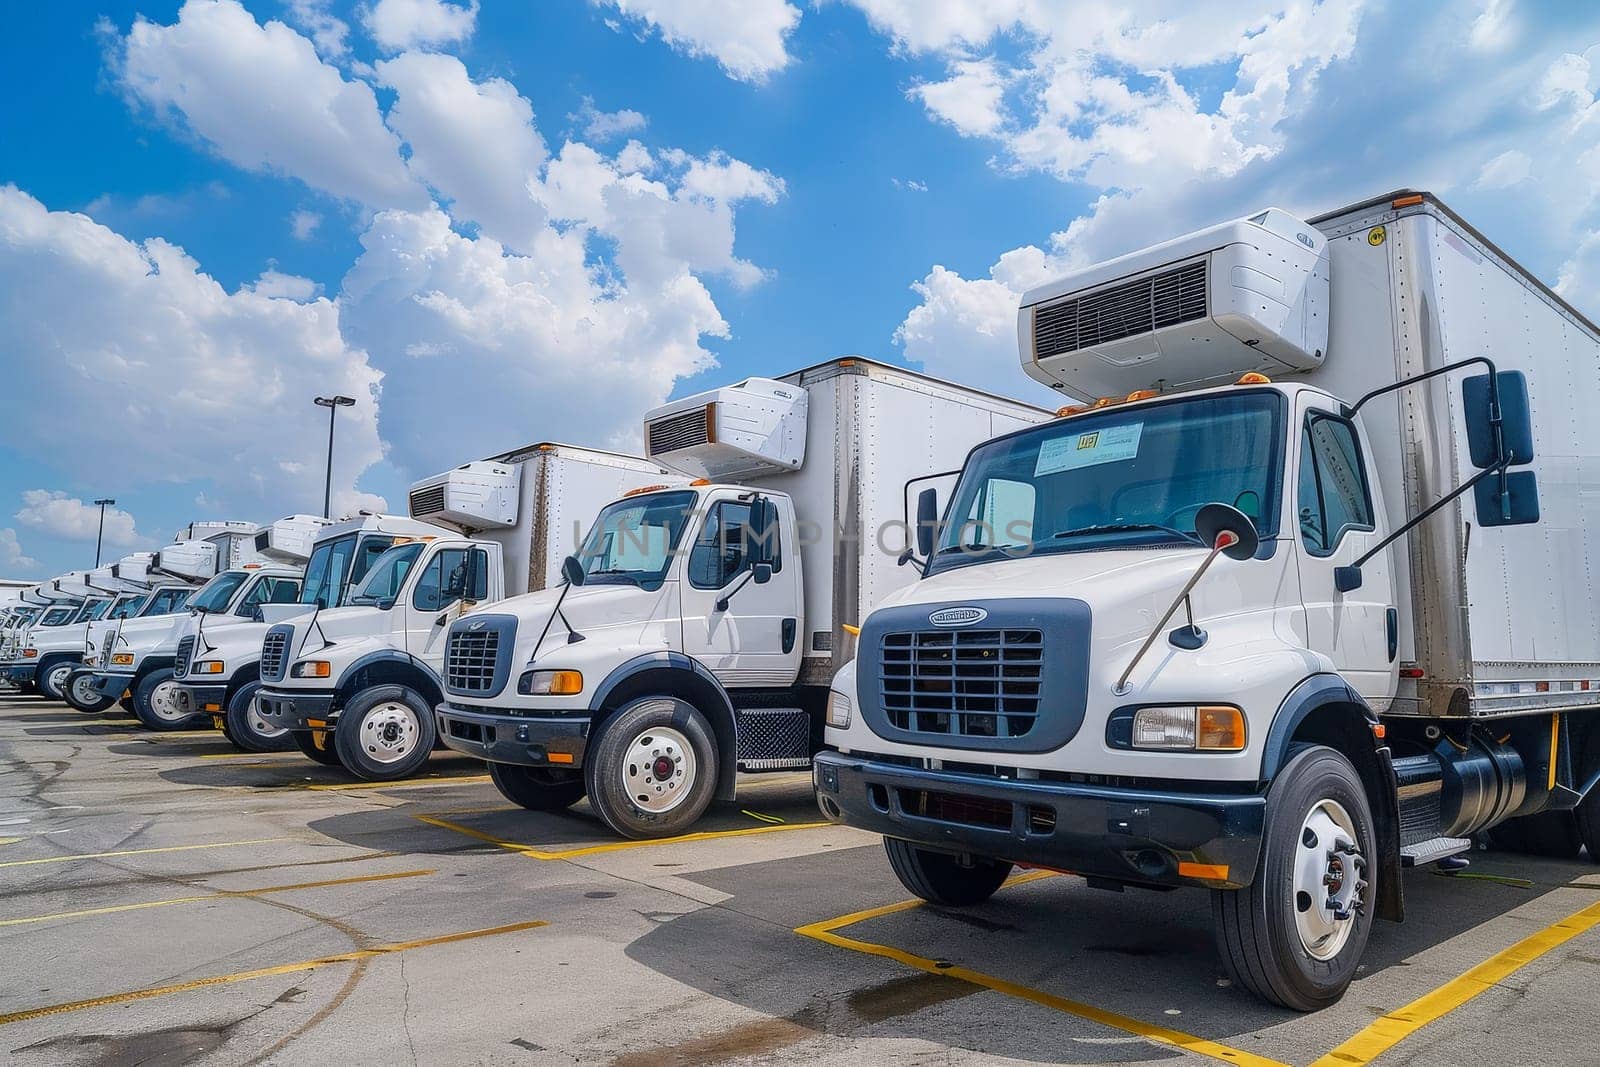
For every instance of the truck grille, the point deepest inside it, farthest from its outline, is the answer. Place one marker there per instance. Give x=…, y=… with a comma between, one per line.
x=681, y=431
x=428, y=500
x=1141, y=306
x=470, y=659
x=963, y=683
x=180, y=662
x=275, y=653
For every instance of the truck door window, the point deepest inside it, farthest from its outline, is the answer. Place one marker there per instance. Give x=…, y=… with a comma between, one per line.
x=165, y=602
x=268, y=591
x=444, y=581
x=1333, y=492
x=725, y=546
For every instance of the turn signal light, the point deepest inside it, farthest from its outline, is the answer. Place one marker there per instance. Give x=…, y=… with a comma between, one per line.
x=1189, y=728
x=551, y=683
x=122, y=659
x=1221, y=729
x=312, y=668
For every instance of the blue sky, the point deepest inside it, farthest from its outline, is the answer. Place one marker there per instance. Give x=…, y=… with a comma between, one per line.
x=512, y=221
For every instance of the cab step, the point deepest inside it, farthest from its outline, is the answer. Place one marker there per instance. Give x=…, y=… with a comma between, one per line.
x=773, y=739
x=1434, y=850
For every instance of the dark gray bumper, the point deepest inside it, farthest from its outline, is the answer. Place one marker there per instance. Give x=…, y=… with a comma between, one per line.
x=1133, y=836
x=111, y=685
x=18, y=674
x=295, y=711
x=200, y=699
x=520, y=739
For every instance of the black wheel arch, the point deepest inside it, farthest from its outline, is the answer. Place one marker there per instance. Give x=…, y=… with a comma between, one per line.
x=675, y=674
x=250, y=672
x=388, y=667
x=150, y=664
x=1324, y=710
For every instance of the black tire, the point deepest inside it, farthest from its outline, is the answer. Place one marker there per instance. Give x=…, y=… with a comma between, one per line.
x=78, y=693
x=126, y=704
x=1553, y=834
x=538, y=788
x=51, y=676
x=1257, y=928
x=306, y=741
x=385, y=733
x=940, y=878
x=245, y=728
x=152, y=702
x=627, y=795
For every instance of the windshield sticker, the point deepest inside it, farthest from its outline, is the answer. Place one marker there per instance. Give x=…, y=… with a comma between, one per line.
x=1088, y=449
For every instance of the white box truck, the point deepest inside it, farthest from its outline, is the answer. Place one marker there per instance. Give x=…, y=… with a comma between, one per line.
x=356, y=685
x=1307, y=599
x=699, y=624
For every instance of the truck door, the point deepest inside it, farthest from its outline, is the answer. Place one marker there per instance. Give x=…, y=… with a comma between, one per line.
x=451, y=576
x=1337, y=517
x=755, y=640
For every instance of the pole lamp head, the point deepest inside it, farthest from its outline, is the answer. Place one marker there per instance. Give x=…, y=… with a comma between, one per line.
x=106, y=502
x=334, y=401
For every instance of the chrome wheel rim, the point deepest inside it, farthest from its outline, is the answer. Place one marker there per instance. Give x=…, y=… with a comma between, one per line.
x=259, y=725
x=1329, y=880
x=164, y=702
x=658, y=769
x=389, y=732
x=57, y=676
x=83, y=690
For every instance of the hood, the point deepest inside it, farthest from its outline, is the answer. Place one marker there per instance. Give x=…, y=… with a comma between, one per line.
x=589, y=609
x=56, y=638
x=228, y=642
x=150, y=632
x=335, y=623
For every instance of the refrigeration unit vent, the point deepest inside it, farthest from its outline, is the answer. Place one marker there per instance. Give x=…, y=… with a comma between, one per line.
x=1165, y=299
x=289, y=540
x=429, y=501
x=682, y=431
x=754, y=428
x=475, y=496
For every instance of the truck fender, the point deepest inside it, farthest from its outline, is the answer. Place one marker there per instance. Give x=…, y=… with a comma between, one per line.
x=1323, y=709
x=676, y=673
x=250, y=672
x=389, y=666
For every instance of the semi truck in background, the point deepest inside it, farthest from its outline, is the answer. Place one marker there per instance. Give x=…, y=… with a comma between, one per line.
x=698, y=626
x=356, y=685
x=1306, y=599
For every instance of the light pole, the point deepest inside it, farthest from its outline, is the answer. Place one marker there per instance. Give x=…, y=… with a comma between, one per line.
x=100, y=534
x=333, y=404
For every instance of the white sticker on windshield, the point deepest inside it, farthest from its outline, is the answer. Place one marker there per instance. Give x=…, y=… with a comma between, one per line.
x=1089, y=448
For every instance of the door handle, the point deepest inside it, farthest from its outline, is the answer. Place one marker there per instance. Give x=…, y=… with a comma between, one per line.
x=1391, y=620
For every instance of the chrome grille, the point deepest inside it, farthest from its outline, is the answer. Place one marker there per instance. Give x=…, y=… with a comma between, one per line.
x=679, y=431
x=470, y=660
x=963, y=683
x=180, y=663
x=1150, y=303
x=275, y=653
x=428, y=500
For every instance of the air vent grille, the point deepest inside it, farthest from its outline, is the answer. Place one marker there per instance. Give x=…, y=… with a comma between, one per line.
x=428, y=500
x=263, y=541
x=180, y=662
x=684, y=430
x=1150, y=303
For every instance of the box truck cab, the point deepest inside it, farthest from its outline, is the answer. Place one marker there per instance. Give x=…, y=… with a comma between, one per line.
x=356, y=686
x=699, y=623
x=60, y=651
x=40, y=651
x=1269, y=619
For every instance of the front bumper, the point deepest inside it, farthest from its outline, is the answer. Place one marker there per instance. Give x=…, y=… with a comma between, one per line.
x=200, y=699
x=18, y=674
x=526, y=741
x=110, y=685
x=1141, y=837
x=310, y=710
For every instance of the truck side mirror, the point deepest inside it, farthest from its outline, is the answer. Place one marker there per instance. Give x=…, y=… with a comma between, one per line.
x=1518, y=506
x=1225, y=528
x=572, y=571
x=1516, y=420
x=1347, y=579
x=927, y=519
x=761, y=573
x=763, y=534
x=475, y=584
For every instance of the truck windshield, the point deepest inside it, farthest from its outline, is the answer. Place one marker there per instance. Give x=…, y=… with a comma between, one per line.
x=632, y=540
x=57, y=616
x=1118, y=479
x=126, y=608
x=387, y=575
x=165, y=601
x=92, y=610
x=329, y=572
x=214, y=596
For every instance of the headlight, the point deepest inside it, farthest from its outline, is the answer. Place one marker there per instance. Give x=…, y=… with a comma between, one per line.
x=1189, y=728
x=122, y=659
x=206, y=666
x=838, y=709
x=311, y=668
x=550, y=683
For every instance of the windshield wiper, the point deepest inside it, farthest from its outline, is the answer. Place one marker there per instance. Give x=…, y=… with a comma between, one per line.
x=1131, y=527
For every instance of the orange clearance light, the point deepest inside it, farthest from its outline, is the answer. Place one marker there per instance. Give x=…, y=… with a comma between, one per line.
x=847, y=363
x=547, y=447
x=1143, y=394
x=1106, y=401
x=1071, y=409
x=1406, y=201
x=1253, y=378
x=559, y=757
x=701, y=481
x=646, y=489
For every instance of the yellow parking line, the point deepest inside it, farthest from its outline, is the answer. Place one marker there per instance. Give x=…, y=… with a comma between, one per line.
x=143, y=851
x=1389, y=1030
x=611, y=846
x=825, y=932
x=264, y=972
x=418, y=783
x=219, y=895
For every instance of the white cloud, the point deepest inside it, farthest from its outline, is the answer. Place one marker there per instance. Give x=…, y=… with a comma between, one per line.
x=261, y=97
x=327, y=31
x=285, y=286
x=1495, y=27
x=401, y=24
x=910, y=184
x=604, y=125
x=151, y=350
x=1509, y=168
x=11, y=554
x=747, y=37
x=970, y=99
x=56, y=514
x=303, y=224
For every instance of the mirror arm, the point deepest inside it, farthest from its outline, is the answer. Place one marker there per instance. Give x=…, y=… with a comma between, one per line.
x=1494, y=386
x=1422, y=515
x=722, y=601
x=1183, y=595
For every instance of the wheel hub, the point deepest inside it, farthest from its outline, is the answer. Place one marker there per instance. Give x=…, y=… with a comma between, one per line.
x=164, y=701
x=1329, y=884
x=658, y=769
x=258, y=724
x=389, y=732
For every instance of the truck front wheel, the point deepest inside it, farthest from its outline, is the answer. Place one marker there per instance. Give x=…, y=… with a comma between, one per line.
x=653, y=771
x=1296, y=935
x=81, y=693
x=155, y=702
x=53, y=678
x=247, y=729
x=940, y=878
x=385, y=733
x=537, y=788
